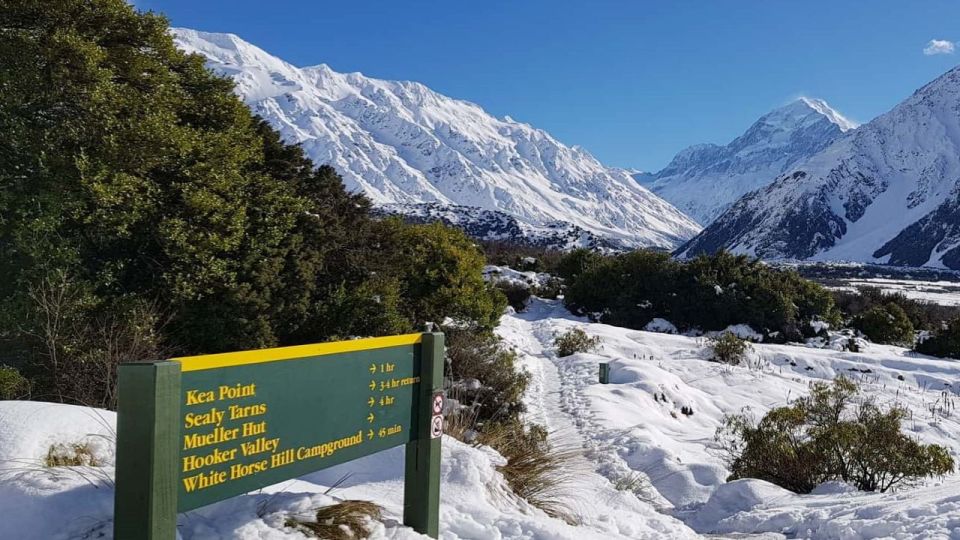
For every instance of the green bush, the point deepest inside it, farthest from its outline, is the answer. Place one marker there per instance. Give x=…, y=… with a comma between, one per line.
x=13, y=385
x=516, y=294
x=575, y=341
x=551, y=289
x=440, y=272
x=944, y=342
x=576, y=262
x=828, y=436
x=886, y=323
x=707, y=293
x=923, y=315
x=497, y=393
x=727, y=348
x=517, y=256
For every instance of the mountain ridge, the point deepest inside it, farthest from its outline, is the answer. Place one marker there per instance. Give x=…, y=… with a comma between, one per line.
x=403, y=144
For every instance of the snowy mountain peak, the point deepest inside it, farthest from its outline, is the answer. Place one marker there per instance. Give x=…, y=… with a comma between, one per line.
x=705, y=179
x=886, y=192
x=403, y=144
x=821, y=106
x=802, y=111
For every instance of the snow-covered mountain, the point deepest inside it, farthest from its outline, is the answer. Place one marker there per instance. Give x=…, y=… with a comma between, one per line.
x=404, y=144
x=886, y=192
x=704, y=180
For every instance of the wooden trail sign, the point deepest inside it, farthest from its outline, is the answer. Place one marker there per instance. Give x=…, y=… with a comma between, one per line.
x=194, y=431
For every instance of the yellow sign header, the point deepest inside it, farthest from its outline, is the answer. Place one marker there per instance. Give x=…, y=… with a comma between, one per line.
x=214, y=361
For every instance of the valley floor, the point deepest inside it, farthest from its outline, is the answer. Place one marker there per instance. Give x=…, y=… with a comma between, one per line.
x=625, y=435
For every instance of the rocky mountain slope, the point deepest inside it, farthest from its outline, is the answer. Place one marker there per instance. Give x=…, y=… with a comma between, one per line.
x=403, y=144
x=704, y=180
x=886, y=192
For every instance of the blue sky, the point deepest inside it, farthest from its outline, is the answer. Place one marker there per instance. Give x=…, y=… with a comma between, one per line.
x=631, y=81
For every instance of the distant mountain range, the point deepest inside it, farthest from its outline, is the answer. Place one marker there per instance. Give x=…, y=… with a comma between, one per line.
x=417, y=152
x=886, y=192
x=705, y=180
x=802, y=183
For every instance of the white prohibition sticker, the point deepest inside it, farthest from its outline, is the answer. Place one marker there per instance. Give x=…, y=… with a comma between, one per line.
x=436, y=427
x=438, y=404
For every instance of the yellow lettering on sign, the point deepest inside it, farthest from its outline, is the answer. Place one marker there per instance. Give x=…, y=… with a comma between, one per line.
x=204, y=480
x=260, y=446
x=240, y=470
x=238, y=391
x=397, y=383
x=237, y=412
x=196, y=397
x=283, y=458
x=191, y=463
x=388, y=431
x=254, y=428
x=212, y=417
x=328, y=448
x=217, y=436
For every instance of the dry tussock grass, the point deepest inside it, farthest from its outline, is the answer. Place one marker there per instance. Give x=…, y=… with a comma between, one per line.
x=342, y=521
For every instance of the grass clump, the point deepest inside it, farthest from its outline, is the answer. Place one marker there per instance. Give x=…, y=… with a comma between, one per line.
x=535, y=470
x=575, y=341
x=71, y=455
x=341, y=521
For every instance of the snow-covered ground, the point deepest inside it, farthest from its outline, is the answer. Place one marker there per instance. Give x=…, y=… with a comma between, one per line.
x=624, y=432
x=944, y=293
x=67, y=503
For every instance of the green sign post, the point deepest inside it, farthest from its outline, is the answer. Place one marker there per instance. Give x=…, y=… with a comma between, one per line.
x=194, y=431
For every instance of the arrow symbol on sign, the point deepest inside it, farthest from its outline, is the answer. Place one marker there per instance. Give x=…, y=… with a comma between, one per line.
x=369, y=434
x=370, y=418
x=371, y=401
x=373, y=385
x=373, y=368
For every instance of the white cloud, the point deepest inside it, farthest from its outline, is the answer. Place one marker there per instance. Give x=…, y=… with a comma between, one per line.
x=939, y=46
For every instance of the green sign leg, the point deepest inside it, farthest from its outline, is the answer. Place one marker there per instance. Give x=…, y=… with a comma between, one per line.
x=421, y=490
x=148, y=431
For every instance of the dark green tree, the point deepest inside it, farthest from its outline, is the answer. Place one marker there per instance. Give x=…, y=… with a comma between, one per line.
x=944, y=342
x=145, y=211
x=885, y=323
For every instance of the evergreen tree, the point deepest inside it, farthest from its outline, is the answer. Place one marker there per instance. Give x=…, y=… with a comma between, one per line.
x=145, y=212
